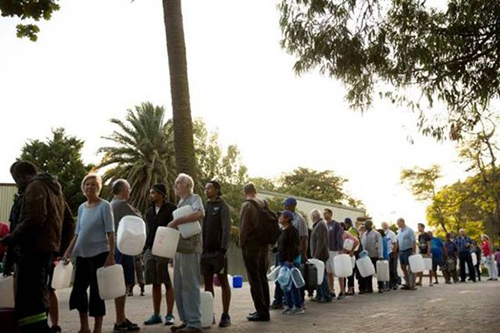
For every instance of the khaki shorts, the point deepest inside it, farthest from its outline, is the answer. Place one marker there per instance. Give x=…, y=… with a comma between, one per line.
x=156, y=269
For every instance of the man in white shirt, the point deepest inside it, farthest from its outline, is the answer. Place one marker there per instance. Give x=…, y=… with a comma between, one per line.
x=393, y=255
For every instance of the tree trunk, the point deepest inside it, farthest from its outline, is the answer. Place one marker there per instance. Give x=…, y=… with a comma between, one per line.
x=179, y=88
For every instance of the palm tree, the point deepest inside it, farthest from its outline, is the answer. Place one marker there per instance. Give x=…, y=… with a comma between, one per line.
x=179, y=88
x=143, y=152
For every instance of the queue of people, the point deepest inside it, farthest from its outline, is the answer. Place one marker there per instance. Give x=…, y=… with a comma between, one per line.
x=42, y=231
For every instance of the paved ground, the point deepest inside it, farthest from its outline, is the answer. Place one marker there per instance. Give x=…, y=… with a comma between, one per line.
x=443, y=308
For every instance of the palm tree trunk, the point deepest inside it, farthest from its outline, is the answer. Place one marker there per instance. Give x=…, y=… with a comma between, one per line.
x=179, y=88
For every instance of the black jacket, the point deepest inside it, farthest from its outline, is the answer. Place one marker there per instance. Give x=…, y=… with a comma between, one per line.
x=289, y=244
x=216, y=226
x=153, y=221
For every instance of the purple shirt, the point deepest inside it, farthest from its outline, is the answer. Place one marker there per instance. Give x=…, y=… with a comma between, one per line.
x=335, y=239
x=497, y=257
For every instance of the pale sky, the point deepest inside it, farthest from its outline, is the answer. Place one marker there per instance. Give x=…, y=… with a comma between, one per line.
x=95, y=59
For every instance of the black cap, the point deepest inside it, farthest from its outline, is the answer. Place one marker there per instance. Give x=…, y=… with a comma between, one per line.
x=160, y=188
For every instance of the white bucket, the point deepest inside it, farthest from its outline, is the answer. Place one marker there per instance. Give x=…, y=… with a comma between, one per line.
x=383, y=271
x=111, y=282
x=7, y=292
x=365, y=266
x=183, y=211
x=131, y=235
x=189, y=229
x=61, y=278
x=165, y=243
x=428, y=264
x=207, y=308
x=343, y=266
x=320, y=267
x=416, y=263
x=348, y=244
x=474, y=259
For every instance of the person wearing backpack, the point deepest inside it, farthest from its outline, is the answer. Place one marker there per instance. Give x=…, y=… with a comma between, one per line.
x=257, y=228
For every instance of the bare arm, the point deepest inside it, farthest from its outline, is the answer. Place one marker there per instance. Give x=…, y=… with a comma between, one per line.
x=111, y=255
x=193, y=217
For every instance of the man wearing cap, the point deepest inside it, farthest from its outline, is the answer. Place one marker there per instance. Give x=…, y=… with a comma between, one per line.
x=335, y=247
x=300, y=224
x=121, y=208
x=350, y=228
x=156, y=268
x=216, y=232
x=372, y=243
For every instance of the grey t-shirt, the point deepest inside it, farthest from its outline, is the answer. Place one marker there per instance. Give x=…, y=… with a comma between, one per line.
x=92, y=226
x=192, y=244
x=122, y=208
x=299, y=222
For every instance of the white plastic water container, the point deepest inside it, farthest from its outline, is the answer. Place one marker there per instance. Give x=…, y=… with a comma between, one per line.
x=428, y=264
x=348, y=244
x=189, y=229
x=207, y=308
x=297, y=278
x=365, y=266
x=474, y=259
x=416, y=263
x=320, y=267
x=61, y=278
x=273, y=275
x=165, y=243
x=111, y=282
x=131, y=235
x=383, y=271
x=400, y=270
x=183, y=211
x=7, y=292
x=353, y=262
x=343, y=266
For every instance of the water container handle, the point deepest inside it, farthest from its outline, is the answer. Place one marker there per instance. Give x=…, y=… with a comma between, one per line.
x=363, y=254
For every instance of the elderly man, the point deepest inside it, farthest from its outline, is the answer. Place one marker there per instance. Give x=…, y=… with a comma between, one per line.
x=319, y=250
x=187, y=259
x=121, y=208
x=464, y=244
x=406, y=246
x=372, y=243
x=393, y=255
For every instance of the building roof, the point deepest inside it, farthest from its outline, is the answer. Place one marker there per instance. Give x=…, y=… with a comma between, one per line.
x=316, y=202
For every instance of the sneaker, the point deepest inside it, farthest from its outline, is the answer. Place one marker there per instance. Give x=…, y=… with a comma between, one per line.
x=190, y=330
x=131, y=323
x=332, y=294
x=287, y=311
x=341, y=297
x=169, y=320
x=178, y=328
x=276, y=306
x=225, y=320
x=126, y=326
x=296, y=311
x=154, y=319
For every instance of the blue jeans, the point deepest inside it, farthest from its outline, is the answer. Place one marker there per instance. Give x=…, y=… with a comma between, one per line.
x=322, y=291
x=293, y=298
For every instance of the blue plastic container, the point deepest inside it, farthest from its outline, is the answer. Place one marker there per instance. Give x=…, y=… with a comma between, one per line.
x=237, y=281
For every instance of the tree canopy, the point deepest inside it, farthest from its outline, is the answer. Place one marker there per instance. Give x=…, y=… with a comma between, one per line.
x=412, y=52
x=61, y=157
x=27, y=10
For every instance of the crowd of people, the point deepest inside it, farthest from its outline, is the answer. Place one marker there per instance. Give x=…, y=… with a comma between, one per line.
x=43, y=231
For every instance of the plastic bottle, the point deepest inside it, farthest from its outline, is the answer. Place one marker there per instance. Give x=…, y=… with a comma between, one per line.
x=165, y=243
x=131, y=235
x=297, y=278
x=111, y=282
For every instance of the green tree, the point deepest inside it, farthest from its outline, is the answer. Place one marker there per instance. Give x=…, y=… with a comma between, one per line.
x=480, y=149
x=28, y=10
x=412, y=52
x=422, y=184
x=61, y=157
x=317, y=185
x=179, y=88
x=142, y=152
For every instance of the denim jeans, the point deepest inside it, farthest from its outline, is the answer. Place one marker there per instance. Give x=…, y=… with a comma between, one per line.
x=293, y=298
x=466, y=259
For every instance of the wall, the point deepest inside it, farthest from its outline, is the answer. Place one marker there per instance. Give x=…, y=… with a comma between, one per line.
x=7, y=192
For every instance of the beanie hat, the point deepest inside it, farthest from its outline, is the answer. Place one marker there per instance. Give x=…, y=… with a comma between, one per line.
x=160, y=188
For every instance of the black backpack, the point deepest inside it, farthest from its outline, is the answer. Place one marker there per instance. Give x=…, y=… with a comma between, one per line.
x=268, y=228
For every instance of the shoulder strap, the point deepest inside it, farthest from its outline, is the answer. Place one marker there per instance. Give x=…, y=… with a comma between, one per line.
x=255, y=204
